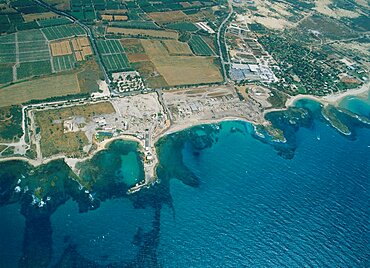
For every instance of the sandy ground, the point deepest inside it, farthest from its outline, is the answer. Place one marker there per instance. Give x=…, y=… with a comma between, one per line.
x=334, y=99
x=322, y=6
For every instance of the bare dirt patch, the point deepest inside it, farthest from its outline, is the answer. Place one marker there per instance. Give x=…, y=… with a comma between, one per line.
x=137, y=57
x=168, y=17
x=60, y=4
x=38, y=16
x=175, y=47
x=39, y=89
x=60, y=48
x=181, y=70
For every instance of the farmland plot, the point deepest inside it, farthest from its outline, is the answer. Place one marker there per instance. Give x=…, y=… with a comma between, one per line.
x=200, y=47
x=113, y=54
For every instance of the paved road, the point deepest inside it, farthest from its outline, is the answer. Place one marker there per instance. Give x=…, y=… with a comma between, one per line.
x=219, y=39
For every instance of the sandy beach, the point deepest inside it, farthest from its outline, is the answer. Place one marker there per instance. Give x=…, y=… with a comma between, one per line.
x=333, y=99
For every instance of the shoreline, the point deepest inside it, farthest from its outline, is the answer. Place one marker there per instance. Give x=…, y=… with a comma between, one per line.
x=150, y=168
x=184, y=126
x=333, y=99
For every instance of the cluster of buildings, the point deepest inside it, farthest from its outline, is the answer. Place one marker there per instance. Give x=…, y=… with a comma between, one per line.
x=204, y=26
x=248, y=59
x=127, y=81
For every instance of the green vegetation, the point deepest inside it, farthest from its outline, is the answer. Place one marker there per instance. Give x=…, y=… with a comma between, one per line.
x=33, y=57
x=6, y=74
x=326, y=27
x=63, y=63
x=10, y=123
x=257, y=27
x=331, y=114
x=35, y=68
x=182, y=26
x=301, y=70
x=199, y=46
x=113, y=54
x=88, y=76
x=88, y=10
x=277, y=99
x=53, y=22
x=54, y=140
x=361, y=23
x=135, y=24
x=63, y=31
x=301, y=4
x=343, y=4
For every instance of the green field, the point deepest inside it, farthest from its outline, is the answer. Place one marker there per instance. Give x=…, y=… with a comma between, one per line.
x=135, y=24
x=199, y=46
x=31, y=35
x=113, y=54
x=6, y=74
x=30, y=52
x=63, y=31
x=34, y=68
x=10, y=38
x=37, y=50
x=7, y=49
x=182, y=26
x=53, y=22
x=109, y=46
x=63, y=63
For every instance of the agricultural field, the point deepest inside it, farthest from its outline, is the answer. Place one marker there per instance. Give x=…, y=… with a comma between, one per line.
x=113, y=54
x=87, y=76
x=135, y=24
x=134, y=50
x=6, y=73
x=176, y=48
x=182, y=26
x=114, y=17
x=181, y=70
x=199, y=46
x=168, y=17
x=62, y=32
x=38, y=16
x=33, y=68
x=53, y=22
x=59, y=4
x=63, y=63
x=38, y=89
x=21, y=15
x=53, y=138
x=27, y=53
x=164, y=5
x=69, y=51
x=142, y=33
x=90, y=10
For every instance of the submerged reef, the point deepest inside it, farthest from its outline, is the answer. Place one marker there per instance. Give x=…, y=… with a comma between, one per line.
x=40, y=191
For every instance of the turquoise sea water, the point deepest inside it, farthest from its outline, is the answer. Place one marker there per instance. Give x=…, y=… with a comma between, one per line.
x=360, y=106
x=226, y=198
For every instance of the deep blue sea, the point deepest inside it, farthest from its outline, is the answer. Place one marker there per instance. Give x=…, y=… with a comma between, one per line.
x=226, y=199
